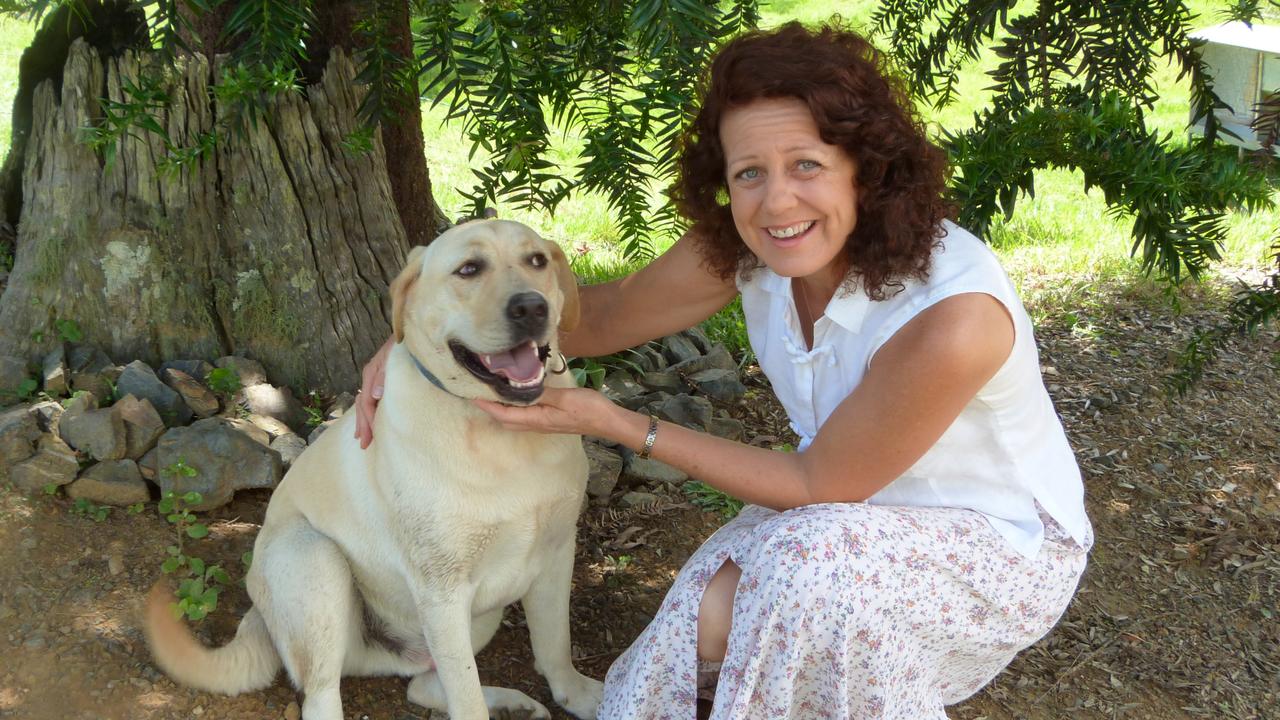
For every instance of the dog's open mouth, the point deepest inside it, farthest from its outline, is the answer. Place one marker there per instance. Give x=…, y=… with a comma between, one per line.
x=517, y=374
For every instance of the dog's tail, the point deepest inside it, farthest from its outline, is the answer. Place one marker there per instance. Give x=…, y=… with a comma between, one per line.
x=248, y=662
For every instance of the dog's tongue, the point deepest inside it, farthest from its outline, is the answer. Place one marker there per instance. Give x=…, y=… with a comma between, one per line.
x=519, y=363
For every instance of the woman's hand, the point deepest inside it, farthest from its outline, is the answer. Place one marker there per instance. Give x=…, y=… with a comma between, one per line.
x=371, y=383
x=571, y=411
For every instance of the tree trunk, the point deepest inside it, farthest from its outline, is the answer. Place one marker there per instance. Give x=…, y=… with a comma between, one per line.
x=279, y=246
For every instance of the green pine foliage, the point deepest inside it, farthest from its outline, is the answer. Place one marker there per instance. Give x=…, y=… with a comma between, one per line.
x=1072, y=88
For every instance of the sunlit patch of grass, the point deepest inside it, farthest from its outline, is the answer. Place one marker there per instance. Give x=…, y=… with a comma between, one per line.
x=15, y=36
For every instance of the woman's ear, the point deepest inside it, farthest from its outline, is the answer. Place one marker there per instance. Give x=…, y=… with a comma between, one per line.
x=570, y=310
x=401, y=286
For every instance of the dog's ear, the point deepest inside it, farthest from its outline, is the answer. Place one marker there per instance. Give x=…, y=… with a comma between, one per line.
x=400, y=289
x=568, y=287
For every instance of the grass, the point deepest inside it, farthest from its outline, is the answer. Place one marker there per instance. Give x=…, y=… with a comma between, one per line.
x=15, y=36
x=1061, y=231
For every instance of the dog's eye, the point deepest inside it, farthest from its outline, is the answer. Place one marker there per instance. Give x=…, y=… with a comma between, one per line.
x=469, y=268
x=538, y=260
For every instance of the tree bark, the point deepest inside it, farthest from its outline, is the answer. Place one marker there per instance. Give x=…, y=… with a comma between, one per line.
x=279, y=246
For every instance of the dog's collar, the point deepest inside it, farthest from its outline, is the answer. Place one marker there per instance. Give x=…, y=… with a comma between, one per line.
x=430, y=377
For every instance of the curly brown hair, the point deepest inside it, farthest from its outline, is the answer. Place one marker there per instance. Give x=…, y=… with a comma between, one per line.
x=857, y=105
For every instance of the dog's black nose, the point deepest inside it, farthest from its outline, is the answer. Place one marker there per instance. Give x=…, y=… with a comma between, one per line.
x=528, y=313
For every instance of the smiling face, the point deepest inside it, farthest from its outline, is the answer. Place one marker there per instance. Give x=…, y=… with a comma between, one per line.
x=793, y=197
x=480, y=308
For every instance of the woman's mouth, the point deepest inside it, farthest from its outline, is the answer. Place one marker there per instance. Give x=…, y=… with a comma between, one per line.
x=788, y=235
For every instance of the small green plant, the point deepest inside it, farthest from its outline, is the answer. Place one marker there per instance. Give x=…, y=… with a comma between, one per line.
x=588, y=372
x=68, y=330
x=66, y=402
x=136, y=508
x=712, y=500
x=314, y=408
x=224, y=381
x=615, y=568
x=85, y=508
x=51, y=488
x=198, y=591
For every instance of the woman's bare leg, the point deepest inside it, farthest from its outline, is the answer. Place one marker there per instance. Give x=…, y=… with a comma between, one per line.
x=715, y=612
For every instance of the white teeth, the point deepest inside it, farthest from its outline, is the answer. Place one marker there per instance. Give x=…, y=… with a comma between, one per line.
x=791, y=231
x=542, y=373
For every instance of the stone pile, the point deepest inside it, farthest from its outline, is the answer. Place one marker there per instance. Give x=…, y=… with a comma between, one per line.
x=677, y=379
x=167, y=429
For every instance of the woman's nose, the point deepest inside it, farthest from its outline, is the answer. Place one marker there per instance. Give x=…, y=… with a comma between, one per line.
x=779, y=194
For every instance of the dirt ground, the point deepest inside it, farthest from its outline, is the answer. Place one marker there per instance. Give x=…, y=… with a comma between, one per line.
x=1176, y=616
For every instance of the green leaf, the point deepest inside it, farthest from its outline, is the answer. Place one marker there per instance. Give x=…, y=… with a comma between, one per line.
x=197, y=531
x=170, y=565
x=197, y=566
x=218, y=575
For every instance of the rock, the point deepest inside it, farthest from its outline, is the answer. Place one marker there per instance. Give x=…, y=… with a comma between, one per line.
x=279, y=403
x=142, y=425
x=113, y=482
x=195, y=369
x=13, y=372
x=637, y=499
x=1159, y=468
x=723, y=385
x=718, y=358
x=289, y=446
x=224, y=458
x=686, y=410
x=91, y=370
x=147, y=465
x=202, y=401
x=138, y=379
x=699, y=339
x=19, y=434
x=249, y=371
x=647, y=471
x=663, y=380
x=650, y=358
x=727, y=428
x=54, y=463
x=250, y=430
x=605, y=466
x=340, y=406
x=318, y=431
x=619, y=385
x=272, y=426
x=100, y=434
x=55, y=376
x=678, y=349
x=47, y=414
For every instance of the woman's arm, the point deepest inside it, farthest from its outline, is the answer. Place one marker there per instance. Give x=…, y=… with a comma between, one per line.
x=916, y=386
x=672, y=293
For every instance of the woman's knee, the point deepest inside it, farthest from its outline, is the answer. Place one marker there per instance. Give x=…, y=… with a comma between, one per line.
x=815, y=536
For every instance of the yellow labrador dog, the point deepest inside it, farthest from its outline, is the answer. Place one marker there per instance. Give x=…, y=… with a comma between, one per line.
x=400, y=559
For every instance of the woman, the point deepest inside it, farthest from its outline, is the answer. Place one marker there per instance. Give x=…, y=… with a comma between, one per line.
x=931, y=523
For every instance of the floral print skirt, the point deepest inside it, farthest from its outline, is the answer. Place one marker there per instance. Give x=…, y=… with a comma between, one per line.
x=849, y=610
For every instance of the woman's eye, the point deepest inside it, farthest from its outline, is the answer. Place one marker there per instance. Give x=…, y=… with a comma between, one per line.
x=468, y=269
x=538, y=260
x=808, y=165
x=748, y=174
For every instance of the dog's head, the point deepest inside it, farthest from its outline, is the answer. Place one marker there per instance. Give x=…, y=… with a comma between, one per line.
x=480, y=308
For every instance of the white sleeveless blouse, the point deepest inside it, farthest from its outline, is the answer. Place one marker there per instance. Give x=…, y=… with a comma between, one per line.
x=1003, y=455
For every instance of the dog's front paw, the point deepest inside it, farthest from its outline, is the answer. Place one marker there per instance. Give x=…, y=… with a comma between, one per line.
x=579, y=694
